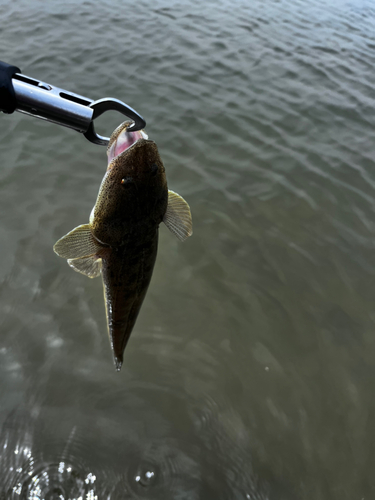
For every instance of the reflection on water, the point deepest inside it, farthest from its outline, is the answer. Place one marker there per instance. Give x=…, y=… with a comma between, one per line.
x=55, y=481
x=27, y=476
x=202, y=451
x=213, y=461
x=249, y=373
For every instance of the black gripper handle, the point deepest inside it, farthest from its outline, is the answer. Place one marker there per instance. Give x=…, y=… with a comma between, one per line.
x=8, y=101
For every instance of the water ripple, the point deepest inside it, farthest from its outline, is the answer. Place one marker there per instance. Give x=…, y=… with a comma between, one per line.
x=252, y=359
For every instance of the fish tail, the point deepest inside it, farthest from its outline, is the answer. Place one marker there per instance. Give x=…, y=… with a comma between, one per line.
x=118, y=362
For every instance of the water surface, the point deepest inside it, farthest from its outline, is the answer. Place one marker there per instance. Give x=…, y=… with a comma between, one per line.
x=250, y=372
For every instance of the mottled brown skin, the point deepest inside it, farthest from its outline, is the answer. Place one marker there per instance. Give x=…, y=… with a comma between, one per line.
x=131, y=203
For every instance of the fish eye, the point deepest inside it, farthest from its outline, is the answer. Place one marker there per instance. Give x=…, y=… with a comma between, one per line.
x=154, y=169
x=126, y=181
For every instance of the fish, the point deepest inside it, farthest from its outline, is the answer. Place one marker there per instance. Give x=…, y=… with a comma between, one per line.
x=120, y=241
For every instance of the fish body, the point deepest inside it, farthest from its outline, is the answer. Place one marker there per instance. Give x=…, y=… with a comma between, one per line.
x=120, y=242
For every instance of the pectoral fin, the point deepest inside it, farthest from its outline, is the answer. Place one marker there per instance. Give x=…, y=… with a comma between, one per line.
x=89, y=266
x=80, y=242
x=82, y=250
x=177, y=218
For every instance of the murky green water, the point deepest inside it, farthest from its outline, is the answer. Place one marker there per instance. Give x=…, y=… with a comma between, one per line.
x=250, y=373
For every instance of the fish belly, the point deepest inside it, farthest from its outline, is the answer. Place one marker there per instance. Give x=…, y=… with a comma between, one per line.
x=126, y=274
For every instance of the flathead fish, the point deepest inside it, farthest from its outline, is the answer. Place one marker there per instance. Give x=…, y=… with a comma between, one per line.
x=121, y=239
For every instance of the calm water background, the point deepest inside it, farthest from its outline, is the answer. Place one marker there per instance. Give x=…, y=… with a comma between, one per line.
x=250, y=373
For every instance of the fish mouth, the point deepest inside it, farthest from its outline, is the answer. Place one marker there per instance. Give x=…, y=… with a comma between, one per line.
x=121, y=140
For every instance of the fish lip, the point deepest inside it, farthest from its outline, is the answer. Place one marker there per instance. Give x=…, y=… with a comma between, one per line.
x=121, y=140
x=126, y=150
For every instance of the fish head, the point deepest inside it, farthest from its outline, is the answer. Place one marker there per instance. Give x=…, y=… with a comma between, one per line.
x=133, y=195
